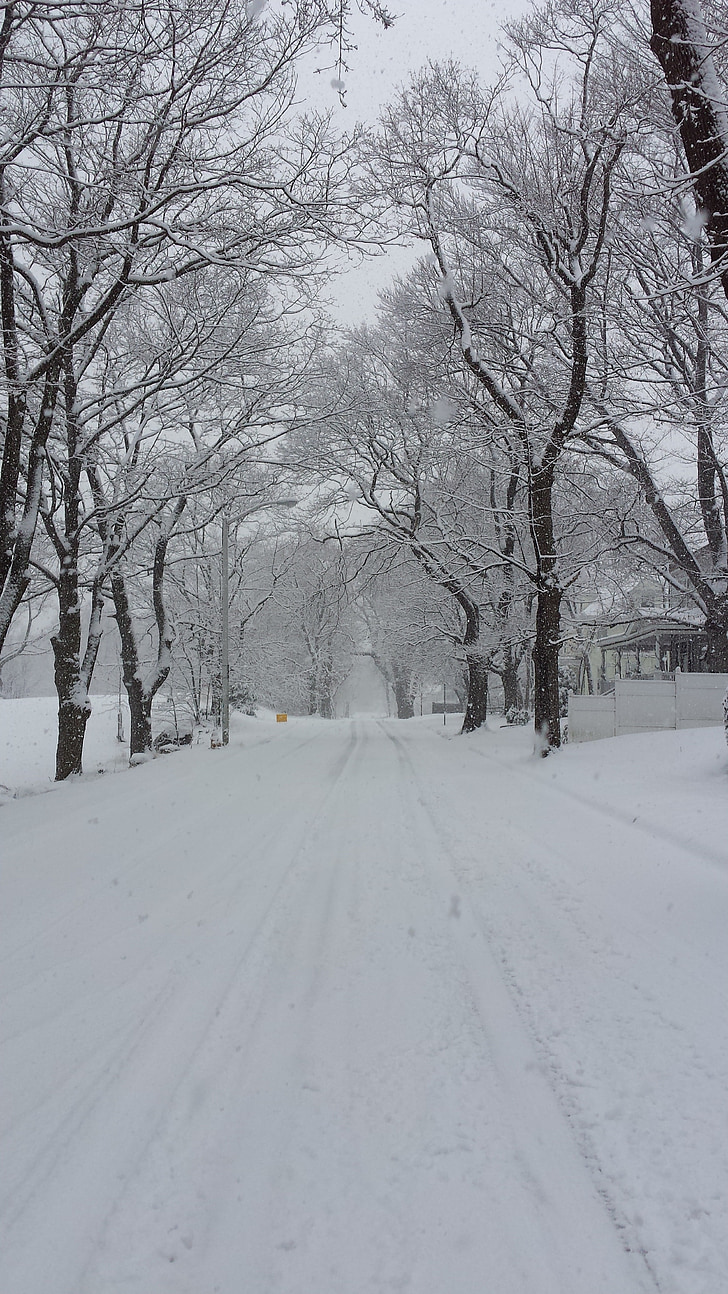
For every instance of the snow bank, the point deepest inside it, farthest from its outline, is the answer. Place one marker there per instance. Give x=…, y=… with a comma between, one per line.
x=28, y=741
x=672, y=785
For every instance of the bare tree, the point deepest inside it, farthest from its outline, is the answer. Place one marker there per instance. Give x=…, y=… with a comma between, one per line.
x=299, y=649
x=404, y=624
x=659, y=392
x=259, y=560
x=379, y=450
x=134, y=161
x=529, y=189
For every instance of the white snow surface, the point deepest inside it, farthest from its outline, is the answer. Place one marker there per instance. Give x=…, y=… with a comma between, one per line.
x=28, y=740
x=368, y=1006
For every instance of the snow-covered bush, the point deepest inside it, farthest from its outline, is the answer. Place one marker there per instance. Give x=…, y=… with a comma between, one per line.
x=517, y=715
x=242, y=698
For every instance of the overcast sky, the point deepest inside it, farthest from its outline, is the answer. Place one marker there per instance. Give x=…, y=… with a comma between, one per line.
x=464, y=30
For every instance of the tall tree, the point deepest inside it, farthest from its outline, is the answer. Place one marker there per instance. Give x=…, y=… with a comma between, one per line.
x=659, y=392
x=514, y=199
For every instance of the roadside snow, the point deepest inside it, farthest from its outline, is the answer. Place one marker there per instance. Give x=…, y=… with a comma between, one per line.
x=28, y=737
x=28, y=741
x=672, y=785
x=348, y=1007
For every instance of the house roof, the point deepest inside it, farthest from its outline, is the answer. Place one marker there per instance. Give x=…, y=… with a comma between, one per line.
x=638, y=632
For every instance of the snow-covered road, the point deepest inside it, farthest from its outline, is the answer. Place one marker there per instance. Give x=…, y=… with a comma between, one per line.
x=350, y=1008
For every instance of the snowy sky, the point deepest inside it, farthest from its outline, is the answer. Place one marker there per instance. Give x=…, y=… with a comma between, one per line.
x=465, y=30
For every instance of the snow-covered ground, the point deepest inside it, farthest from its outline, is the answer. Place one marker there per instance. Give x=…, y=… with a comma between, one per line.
x=366, y=1006
x=28, y=738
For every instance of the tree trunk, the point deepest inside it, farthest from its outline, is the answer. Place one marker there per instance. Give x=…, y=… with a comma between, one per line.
x=398, y=679
x=546, y=646
x=512, y=699
x=586, y=663
x=405, y=703
x=140, y=714
x=16, y=558
x=16, y=540
x=327, y=689
x=72, y=719
x=140, y=719
x=403, y=692
x=546, y=668
x=73, y=674
x=73, y=705
x=478, y=665
x=141, y=693
x=476, y=710
x=326, y=704
x=717, y=636
x=312, y=691
x=681, y=44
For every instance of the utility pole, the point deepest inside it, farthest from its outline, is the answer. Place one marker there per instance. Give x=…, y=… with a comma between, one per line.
x=225, y=645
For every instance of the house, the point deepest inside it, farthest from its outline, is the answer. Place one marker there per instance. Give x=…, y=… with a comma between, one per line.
x=647, y=634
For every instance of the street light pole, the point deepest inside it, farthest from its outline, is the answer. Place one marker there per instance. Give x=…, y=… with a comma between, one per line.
x=225, y=646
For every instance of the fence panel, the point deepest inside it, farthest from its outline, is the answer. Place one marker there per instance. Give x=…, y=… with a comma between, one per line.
x=591, y=717
x=700, y=699
x=646, y=705
x=643, y=705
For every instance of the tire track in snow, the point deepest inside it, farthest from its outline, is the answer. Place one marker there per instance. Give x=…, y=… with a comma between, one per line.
x=124, y=908
x=69, y=1176
x=640, y=824
x=396, y=1119
x=362, y=1140
x=185, y=1178
x=126, y=806
x=344, y=1183
x=615, y=955
x=23, y=990
x=495, y=995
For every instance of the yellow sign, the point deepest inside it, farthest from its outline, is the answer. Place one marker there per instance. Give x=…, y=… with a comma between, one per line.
x=281, y=718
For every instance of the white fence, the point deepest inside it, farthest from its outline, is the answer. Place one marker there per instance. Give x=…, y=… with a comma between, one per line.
x=643, y=705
